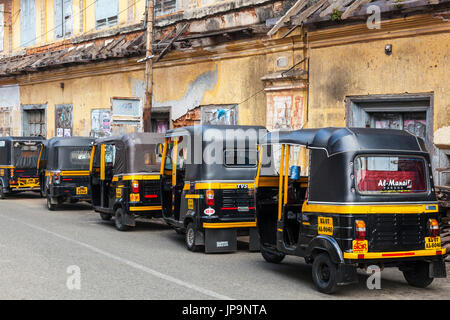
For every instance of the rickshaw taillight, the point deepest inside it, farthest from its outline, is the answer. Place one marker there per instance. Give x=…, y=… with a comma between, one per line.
x=11, y=171
x=57, y=178
x=210, y=198
x=135, y=186
x=360, y=229
x=434, y=227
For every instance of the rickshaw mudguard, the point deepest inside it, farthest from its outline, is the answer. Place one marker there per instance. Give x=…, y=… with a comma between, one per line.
x=346, y=273
x=327, y=244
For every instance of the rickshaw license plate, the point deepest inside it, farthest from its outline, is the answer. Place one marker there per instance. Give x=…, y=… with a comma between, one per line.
x=82, y=190
x=432, y=243
x=360, y=246
x=325, y=225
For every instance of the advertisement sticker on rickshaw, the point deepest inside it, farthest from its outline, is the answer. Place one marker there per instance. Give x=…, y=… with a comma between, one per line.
x=118, y=192
x=209, y=211
x=432, y=243
x=360, y=246
x=191, y=204
x=325, y=225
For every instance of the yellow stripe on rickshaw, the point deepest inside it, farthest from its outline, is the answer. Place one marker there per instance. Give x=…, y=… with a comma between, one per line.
x=193, y=196
x=396, y=254
x=370, y=208
x=148, y=208
x=220, y=225
x=139, y=177
x=220, y=185
x=75, y=173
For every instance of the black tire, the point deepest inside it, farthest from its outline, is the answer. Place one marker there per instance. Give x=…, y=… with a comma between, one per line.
x=271, y=256
x=50, y=206
x=418, y=276
x=105, y=216
x=190, y=238
x=118, y=220
x=2, y=194
x=324, y=273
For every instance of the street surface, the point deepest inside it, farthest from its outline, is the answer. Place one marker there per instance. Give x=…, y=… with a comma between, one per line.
x=38, y=248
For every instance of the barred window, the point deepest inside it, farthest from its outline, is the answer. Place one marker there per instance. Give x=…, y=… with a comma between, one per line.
x=163, y=7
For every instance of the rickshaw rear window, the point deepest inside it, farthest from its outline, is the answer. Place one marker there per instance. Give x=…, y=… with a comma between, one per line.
x=241, y=158
x=25, y=156
x=390, y=174
x=74, y=158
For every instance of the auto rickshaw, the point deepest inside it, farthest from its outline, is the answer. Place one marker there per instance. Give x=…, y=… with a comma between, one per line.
x=125, y=178
x=207, y=177
x=18, y=160
x=64, y=169
x=368, y=200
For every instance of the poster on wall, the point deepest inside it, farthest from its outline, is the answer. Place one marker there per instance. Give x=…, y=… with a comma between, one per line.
x=280, y=107
x=100, y=123
x=63, y=120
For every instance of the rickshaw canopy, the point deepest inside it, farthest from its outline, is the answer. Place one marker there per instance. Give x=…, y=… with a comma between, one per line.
x=206, y=150
x=336, y=140
x=136, y=152
x=68, y=153
x=12, y=155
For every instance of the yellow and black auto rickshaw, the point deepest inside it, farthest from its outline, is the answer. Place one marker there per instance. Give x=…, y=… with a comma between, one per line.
x=208, y=183
x=64, y=170
x=18, y=161
x=368, y=200
x=125, y=179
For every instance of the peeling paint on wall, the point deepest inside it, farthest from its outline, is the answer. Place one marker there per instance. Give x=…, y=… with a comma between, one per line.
x=193, y=96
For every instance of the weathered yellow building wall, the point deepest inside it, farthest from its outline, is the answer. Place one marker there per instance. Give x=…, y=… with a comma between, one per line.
x=45, y=19
x=229, y=77
x=419, y=63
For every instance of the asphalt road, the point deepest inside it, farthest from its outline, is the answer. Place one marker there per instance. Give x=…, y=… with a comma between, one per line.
x=40, y=249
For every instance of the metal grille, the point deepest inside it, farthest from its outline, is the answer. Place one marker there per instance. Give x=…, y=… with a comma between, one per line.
x=237, y=198
x=397, y=232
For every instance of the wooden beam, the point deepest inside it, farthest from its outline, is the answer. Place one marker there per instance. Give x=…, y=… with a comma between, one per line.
x=334, y=5
x=308, y=12
x=299, y=5
x=179, y=33
x=353, y=7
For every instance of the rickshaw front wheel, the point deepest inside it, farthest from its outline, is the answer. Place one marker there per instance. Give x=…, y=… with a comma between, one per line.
x=119, y=218
x=418, y=275
x=190, y=238
x=324, y=273
x=50, y=205
x=2, y=194
x=270, y=255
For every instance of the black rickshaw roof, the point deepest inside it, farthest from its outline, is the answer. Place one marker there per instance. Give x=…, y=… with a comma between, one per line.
x=194, y=130
x=20, y=139
x=70, y=142
x=335, y=140
x=134, y=138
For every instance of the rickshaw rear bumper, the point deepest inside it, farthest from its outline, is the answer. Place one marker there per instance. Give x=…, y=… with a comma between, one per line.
x=223, y=237
x=69, y=192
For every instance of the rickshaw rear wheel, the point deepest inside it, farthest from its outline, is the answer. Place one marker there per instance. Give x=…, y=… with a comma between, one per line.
x=118, y=221
x=324, y=273
x=270, y=255
x=191, y=237
x=418, y=275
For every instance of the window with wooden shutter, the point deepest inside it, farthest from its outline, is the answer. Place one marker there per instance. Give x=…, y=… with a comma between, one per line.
x=106, y=13
x=163, y=7
x=2, y=25
x=27, y=22
x=63, y=18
